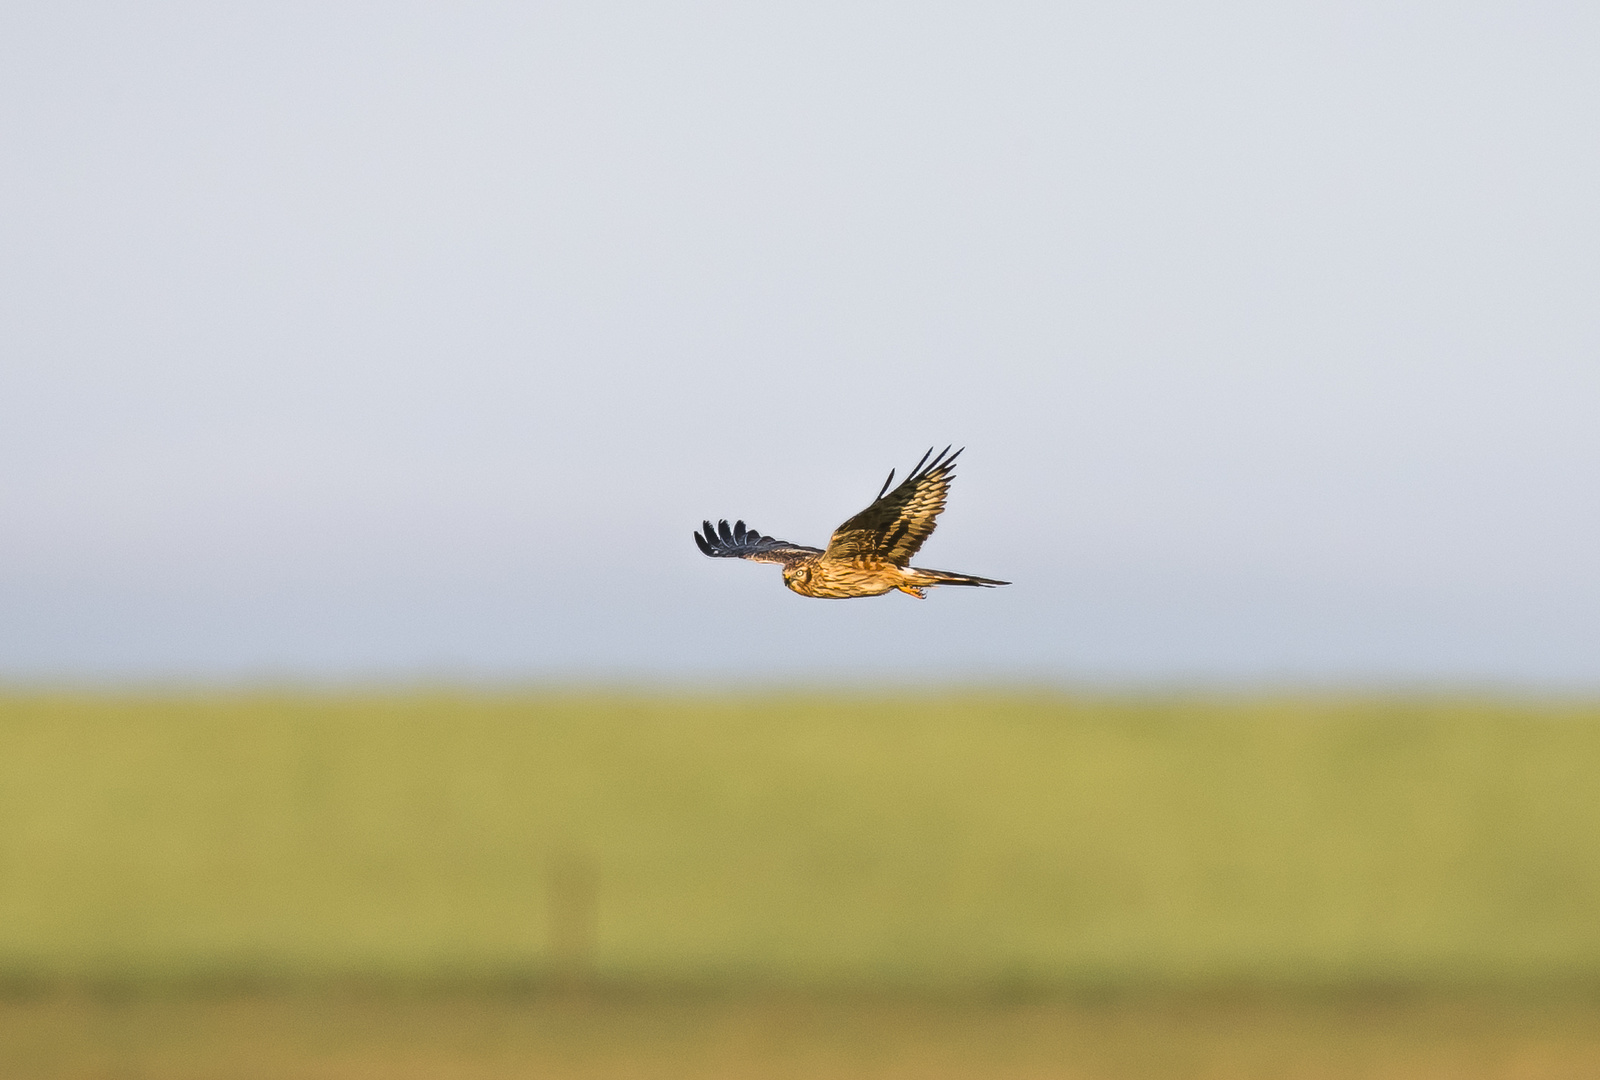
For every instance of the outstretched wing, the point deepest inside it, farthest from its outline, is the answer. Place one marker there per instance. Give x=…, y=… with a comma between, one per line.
x=897, y=523
x=742, y=543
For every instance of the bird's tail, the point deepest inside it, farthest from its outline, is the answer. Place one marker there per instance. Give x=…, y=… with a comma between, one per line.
x=945, y=577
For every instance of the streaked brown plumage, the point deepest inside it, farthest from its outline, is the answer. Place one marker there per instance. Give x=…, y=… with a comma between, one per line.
x=868, y=555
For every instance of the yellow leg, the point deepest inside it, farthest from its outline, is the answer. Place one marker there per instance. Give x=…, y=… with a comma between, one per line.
x=912, y=590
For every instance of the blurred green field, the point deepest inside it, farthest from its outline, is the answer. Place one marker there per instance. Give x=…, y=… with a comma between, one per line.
x=984, y=842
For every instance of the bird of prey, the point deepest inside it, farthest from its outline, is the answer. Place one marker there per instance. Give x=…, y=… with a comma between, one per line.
x=868, y=555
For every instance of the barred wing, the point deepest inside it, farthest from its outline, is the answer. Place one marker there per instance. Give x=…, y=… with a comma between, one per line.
x=739, y=542
x=897, y=523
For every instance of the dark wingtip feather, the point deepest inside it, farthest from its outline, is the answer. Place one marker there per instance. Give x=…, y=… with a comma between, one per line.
x=737, y=541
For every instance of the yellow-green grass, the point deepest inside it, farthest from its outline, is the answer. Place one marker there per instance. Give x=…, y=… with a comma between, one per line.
x=931, y=842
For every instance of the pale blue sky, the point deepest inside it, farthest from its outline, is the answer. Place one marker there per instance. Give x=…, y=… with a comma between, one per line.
x=413, y=340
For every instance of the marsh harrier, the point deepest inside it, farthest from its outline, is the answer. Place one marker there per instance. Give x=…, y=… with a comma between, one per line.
x=868, y=555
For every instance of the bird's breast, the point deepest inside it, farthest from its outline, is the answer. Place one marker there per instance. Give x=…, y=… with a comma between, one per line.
x=841, y=581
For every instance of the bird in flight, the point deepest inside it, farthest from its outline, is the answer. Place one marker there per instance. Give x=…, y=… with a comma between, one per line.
x=868, y=555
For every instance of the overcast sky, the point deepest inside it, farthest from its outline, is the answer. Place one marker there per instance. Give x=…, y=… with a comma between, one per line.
x=413, y=340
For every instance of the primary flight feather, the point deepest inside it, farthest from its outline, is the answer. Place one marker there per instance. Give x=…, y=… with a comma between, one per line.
x=868, y=555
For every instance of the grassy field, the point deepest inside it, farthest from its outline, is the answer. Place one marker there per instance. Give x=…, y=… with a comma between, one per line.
x=1009, y=869
x=465, y=1036
x=799, y=840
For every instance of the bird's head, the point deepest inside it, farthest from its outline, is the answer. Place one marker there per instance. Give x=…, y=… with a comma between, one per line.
x=797, y=577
